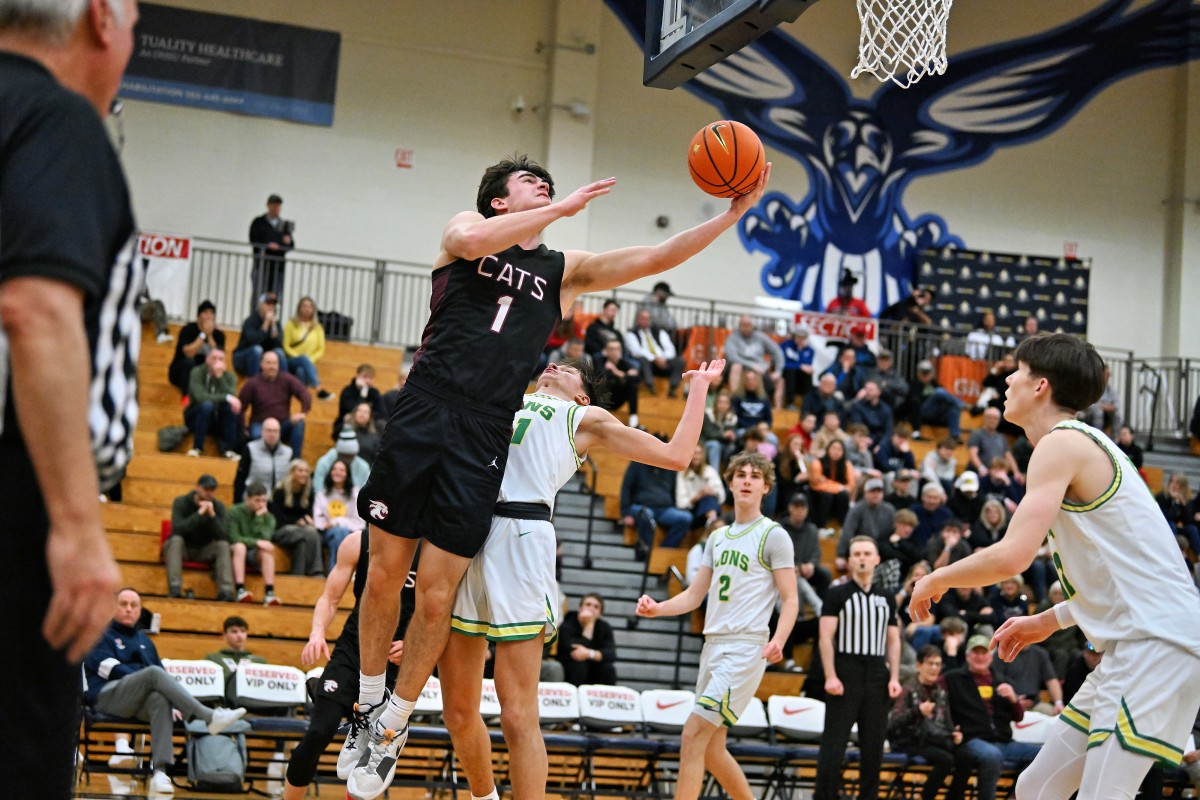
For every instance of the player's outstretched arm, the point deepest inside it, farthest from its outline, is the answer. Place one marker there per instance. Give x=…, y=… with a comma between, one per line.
x=595, y=272
x=1018, y=633
x=470, y=235
x=686, y=601
x=601, y=429
x=327, y=603
x=1051, y=470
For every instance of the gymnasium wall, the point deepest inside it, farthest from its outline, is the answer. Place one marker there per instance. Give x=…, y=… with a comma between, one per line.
x=439, y=78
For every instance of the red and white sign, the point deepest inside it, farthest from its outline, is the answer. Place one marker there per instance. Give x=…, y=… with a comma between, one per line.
x=168, y=262
x=270, y=684
x=404, y=158
x=837, y=326
x=204, y=680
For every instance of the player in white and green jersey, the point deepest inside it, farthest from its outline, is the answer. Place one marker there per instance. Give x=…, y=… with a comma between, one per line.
x=1122, y=575
x=509, y=595
x=746, y=567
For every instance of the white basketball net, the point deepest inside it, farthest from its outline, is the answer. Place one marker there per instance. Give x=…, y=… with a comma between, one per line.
x=902, y=40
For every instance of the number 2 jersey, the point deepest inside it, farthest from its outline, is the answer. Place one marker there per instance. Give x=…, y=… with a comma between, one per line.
x=1121, y=571
x=743, y=559
x=542, y=455
x=489, y=320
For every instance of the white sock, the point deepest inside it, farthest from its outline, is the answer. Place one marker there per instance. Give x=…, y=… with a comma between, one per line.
x=633, y=420
x=396, y=715
x=370, y=689
x=492, y=795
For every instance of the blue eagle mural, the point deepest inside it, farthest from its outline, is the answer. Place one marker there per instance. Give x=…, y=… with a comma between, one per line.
x=861, y=154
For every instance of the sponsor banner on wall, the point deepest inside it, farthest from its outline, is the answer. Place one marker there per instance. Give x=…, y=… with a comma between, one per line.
x=227, y=63
x=968, y=282
x=167, y=259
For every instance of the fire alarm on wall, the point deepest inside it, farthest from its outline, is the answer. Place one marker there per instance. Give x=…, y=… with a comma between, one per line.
x=404, y=158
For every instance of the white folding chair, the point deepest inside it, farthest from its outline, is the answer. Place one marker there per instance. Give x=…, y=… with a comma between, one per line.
x=667, y=709
x=752, y=722
x=429, y=701
x=262, y=686
x=558, y=703
x=1033, y=728
x=203, y=679
x=800, y=718
x=608, y=707
x=489, y=701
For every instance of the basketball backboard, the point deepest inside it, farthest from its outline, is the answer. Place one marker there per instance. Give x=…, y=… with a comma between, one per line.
x=686, y=37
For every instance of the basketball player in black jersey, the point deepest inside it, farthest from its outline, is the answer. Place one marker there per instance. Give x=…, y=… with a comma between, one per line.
x=497, y=294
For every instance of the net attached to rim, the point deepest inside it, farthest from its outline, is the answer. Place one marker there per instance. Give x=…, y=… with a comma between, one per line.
x=902, y=40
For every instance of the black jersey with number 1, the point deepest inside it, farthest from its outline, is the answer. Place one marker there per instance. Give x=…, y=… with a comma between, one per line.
x=489, y=320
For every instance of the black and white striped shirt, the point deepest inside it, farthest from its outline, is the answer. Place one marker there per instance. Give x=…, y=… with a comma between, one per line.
x=863, y=619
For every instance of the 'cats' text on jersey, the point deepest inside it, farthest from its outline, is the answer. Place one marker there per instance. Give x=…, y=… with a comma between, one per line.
x=489, y=268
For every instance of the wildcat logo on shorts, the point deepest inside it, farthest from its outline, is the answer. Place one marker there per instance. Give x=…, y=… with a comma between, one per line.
x=379, y=509
x=331, y=686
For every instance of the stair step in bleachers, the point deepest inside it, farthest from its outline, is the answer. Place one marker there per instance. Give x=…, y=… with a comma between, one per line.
x=294, y=590
x=196, y=616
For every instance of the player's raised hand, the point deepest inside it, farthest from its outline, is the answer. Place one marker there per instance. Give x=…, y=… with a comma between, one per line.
x=744, y=203
x=924, y=594
x=710, y=372
x=647, y=606
x=772, y=652
x=1017, y=633
x=577, y=200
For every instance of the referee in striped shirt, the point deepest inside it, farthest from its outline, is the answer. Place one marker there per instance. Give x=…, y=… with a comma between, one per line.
x=860, y=650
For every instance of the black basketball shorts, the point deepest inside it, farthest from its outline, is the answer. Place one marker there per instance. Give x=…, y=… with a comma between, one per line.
x=438, y=470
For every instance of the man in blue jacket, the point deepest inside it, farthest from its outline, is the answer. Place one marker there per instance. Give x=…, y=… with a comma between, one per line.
x=125, y=678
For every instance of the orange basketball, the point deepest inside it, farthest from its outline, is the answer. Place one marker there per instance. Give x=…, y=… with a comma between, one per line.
x=725, y=158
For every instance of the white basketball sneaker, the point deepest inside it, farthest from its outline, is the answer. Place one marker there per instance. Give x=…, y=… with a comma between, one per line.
x=356, y=738
x=375, y=769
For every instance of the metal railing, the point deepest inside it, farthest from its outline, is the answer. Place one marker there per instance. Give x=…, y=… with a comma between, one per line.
x=389, y=303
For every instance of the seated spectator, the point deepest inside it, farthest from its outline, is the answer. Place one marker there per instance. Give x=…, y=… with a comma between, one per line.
x=859, y=452
x=954, y=643
x=893, y=387
x=1177, y=505
x=984, y=708
x=647, y=500
x=985, y=341
x=152, y=310
x=251, y=527
x=895, y=452
x=846, y=304
x=948, y=545
x=236, y=631
x=603, y=329
x=699, y=490
x=621, y=379
x=261, y=334
x=199, y=533
x=389, y=397
x=791, y=469
x=903, y=594
x=965, y=501
x=900, y=546
x=849, y=374
x=824, y=398
x=263, y=460
x=362, y=389
x=1029, y=672
x=196, y=339
x=751, y=350
x=755, y=442
x=213, y=406
x=361, y=421
x=997, y=484
x=805, y=429
x=994, y=385
x=1105, y=413
x=304, y=344
x=269, y=395
x=1065, y=643
x=871, y=516
x=1008, y=600
x=940, y=465
x=931, y=512
x=830, y=430
x=1129, y=446
x=862, y=350
x=655, y=354
x=806, y=546
x=991, y=525
x=832, y=481
x=1080, y=667
x=903, y=492
x=345, y=449
x=719, y=431
x=125, y=678
x=797, y=368
x=586, y=646
x=753, y=407
x=986, y=444
x=919, y=723
x=911, y=309
x=933, y=405
x=966, y=604
x=292, y=507
x=335, y=511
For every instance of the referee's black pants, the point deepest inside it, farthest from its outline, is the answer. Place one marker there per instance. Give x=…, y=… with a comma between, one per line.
x=864, y=700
